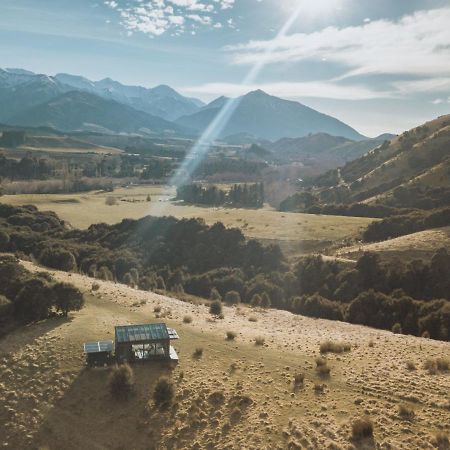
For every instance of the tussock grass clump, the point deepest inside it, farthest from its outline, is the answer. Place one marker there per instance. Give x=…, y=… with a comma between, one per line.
x=157, y=309
x=410, y=365
x=319, y=388
x=397, y=328
x=441, y=441
x=406, y=412
x=198, y=353
x=252, y=319
x=334, y=347
x=215, y=308
x=187, y=319
x=164, y=392
x=322, y=368
x=362, y=428
x=299, y=379
x=121, y=382
x=443, y=364
x=231, y=335
x=260, y=340
x=95, y=286
x=433, y=366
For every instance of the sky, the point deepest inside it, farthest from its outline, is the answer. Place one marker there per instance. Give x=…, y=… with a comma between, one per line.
x=380, y=66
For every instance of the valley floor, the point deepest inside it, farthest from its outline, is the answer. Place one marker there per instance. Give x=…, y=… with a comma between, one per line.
x=238, y=395
x=295, y=232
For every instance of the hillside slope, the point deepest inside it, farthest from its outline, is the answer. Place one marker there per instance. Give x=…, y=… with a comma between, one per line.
x=417, y=159
x=269, y=117
x=237, y=395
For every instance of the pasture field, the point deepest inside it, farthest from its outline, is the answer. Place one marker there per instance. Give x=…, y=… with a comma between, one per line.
x=291, y=230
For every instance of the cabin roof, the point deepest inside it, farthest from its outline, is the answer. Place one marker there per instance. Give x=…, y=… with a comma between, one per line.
x=144, y=332
x=98, y=346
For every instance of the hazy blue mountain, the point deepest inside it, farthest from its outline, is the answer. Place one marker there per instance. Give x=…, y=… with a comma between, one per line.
x=19, y=92
x=269, y=117
x=80, y=110
x=162, y=101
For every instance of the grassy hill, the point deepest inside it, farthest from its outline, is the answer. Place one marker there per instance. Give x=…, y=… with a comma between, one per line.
x=417, y=158
x=237, y=395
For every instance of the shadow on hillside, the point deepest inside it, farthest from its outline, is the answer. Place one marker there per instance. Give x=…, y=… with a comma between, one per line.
x=16, y=339
x=88, y=417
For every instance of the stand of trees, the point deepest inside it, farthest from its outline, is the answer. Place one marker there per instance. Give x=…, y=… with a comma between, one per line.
x=26, y=297
x=187, y=255
x=244, y=195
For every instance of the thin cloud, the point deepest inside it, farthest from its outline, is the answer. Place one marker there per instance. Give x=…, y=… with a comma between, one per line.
x=319, y=89
x=417, y=44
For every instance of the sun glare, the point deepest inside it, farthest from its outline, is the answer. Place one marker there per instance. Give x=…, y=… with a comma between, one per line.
x=312, y=9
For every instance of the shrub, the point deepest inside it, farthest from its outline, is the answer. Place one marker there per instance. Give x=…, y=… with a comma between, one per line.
x=265, y=300
x=252, y=319
x=231, y=335
x=198, y=353
x=334, y=347
x=164, y=392
x=4, y=241
x=160, y=283
x=121, y=382
x=215, y=308
x=68, y=298
x=6, y=308
x=58, y=258
x=362, y=428
x=95, y=286
x=256, y=300
x=319, y=388
x=215, y=295
x=410, y=365
x=232, y=297
x=157, y=309
x=397, y=328
x=187, y=319
x=406, y=412
x=34, y=301
x=110, y=200
x=259, y=340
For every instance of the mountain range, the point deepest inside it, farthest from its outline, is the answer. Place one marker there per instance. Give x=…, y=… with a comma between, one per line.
x=68, y=102
x=269, y=117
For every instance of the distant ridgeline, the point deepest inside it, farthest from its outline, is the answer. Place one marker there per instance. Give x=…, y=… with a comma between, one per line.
x=190, y=256
x=240, y=195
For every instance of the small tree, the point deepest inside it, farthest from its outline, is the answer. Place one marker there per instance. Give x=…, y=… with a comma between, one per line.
x=215, y=295
x=4, y=241
x=164, y=393
x=160, y=283
x=256, y=300
x=68, y=298
x=265, y=300
x=121, y=382
x=232, y=297
x=215, y=308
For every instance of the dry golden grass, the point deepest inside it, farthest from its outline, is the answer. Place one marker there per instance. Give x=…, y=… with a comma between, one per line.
x=236, y=395
x=85, y=209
